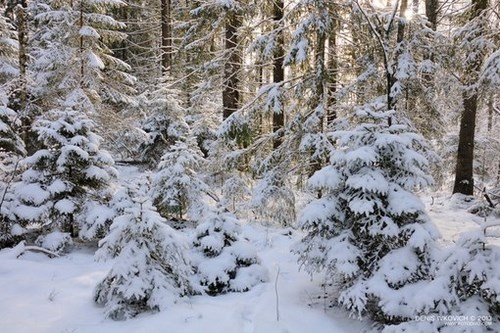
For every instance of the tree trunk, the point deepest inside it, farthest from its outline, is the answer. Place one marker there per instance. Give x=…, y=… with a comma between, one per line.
x=82, y=62
x=318, y=98
x=331, y=113
x=230, y=94
x=402, y=24
x=431, y=10
x=464, y=182
x=464, y=170
x=166, y=36
x=278, y=69
x=22, y=36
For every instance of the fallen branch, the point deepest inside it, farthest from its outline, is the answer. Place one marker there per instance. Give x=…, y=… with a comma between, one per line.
x=22, y=248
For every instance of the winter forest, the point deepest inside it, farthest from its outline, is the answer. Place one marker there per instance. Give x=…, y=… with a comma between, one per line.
x=273, y=166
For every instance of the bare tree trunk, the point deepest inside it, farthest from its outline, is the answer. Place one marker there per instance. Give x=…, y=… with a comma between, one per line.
x=431, y=11
x=318, y=98
x=22, y=36
x=230, y=94
x=401, y=24
x=464, y=170
x=464, y=182
x=82, y=63
x=166, y=36
x=331, y=113
x=278, y=69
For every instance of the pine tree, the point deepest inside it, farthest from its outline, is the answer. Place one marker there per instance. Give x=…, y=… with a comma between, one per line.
x=65, y=178
x=150, y=270
x=368, y=232
x=224, y=262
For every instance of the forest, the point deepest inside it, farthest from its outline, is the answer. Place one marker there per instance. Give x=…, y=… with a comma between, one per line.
x=192, y=153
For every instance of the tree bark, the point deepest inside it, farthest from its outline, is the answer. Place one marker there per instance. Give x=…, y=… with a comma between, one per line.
x=230, y=94
x=431, y=11
x=166, y=36
x=464, y=182
x=278, y=69
x=331, y=113
x=464, y=170
x=22, y=36
x=82, y=62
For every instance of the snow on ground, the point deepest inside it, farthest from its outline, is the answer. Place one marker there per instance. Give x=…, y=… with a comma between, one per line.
x=451, y=217
x=42, y=295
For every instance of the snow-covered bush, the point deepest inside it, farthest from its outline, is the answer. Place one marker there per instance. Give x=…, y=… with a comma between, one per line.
x=223, y=261
x=62, y=181
x=177, y=186
x=368, y=231
x=150, y=271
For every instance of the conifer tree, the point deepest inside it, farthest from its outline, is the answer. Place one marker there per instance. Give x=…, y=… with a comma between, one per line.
x=177, y=186
x=150, y=271
x=224, y=262
x=164, y=125
x=72, y=52
x=64, y=179
x=11, y=152
x=368, y=232
x=8, y=52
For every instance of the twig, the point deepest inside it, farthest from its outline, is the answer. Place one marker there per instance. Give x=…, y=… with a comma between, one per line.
x=277, y=295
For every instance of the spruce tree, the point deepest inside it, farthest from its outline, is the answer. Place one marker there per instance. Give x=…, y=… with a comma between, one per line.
x=11, y=152
x=150, y=270
x=63, y=180
x=368, y=232
x=8, y=52
x=224, y=262
x=177, y=185
x=71, y=51
x=165, y=123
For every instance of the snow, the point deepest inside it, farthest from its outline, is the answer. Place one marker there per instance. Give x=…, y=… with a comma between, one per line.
x=57, y=294
x=55, y=241
x=65, y=206
x=33, y=193
x=59, y=299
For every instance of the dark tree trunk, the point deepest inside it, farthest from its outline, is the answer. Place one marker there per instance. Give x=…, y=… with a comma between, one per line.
x=318, y=98
x=22, y=36
x=402, y=24
x=166, y=36
x=331, y=113
x=464, y=182
x=230, y=94
x=82, y=61
x=278, y=70
x=431, y=11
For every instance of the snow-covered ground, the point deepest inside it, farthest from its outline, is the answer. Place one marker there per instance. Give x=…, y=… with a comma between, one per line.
x=42, y=295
